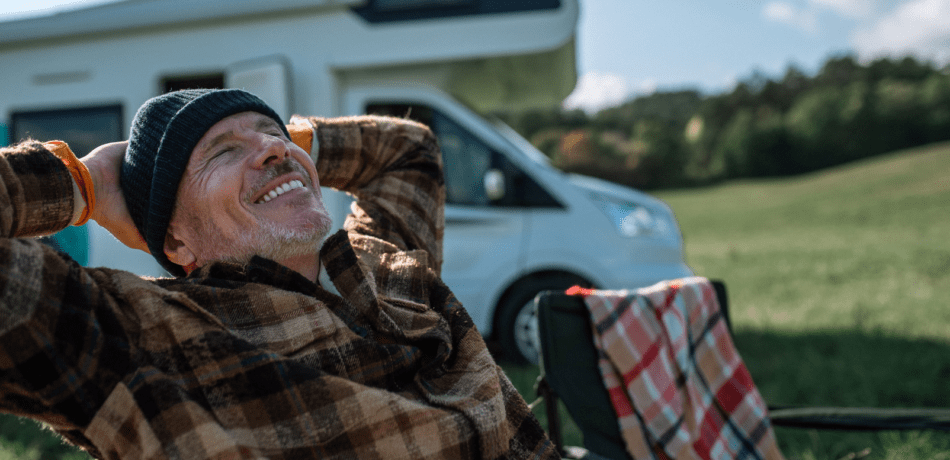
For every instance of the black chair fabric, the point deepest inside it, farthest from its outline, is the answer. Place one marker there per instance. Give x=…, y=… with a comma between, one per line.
x=569, y=371
x=569, y=365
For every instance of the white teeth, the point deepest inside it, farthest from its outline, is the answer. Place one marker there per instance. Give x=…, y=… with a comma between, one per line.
x=280, y=190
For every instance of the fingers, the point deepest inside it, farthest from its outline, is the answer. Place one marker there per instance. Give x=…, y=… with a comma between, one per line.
x=104, y=164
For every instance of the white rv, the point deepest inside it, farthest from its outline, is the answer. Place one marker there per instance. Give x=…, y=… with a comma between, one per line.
x=514, y=225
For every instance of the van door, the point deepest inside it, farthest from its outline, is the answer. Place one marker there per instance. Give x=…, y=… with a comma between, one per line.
x=268, y=77
x=484, y=236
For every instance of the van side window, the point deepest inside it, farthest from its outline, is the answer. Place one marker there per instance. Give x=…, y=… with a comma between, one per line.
x=467, y=160
x=379, y=11
x=179, y=82
x=83, y=129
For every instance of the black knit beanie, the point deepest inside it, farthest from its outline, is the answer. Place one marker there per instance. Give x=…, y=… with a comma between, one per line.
x=164, y=132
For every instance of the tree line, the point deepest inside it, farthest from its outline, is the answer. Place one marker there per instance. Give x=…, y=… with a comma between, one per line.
x=763, y=127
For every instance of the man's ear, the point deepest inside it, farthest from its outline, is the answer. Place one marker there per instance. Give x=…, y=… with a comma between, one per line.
x=176, y=250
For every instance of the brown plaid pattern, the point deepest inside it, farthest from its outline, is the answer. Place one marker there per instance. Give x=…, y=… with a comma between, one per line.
x=256, y=361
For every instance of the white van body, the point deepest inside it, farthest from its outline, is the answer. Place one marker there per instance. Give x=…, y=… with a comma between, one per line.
x=514, y=224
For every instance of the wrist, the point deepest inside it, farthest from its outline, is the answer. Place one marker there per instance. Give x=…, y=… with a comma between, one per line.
x=84, y=196
x=303, y=133
x=79, y=206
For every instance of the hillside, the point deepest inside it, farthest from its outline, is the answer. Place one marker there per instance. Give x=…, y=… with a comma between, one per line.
x=869, y=235
x=839, y=284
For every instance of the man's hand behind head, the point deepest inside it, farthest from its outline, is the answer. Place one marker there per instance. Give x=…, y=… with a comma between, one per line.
x=104, y=164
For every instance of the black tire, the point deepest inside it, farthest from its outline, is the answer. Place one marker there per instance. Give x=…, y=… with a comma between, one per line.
x=516, y=320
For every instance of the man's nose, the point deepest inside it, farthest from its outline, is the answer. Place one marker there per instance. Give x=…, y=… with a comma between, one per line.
x=270, y=152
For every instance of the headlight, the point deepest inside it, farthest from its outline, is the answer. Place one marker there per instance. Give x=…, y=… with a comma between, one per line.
x=635, y=220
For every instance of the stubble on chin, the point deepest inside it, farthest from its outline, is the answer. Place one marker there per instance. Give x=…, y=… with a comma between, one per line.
x=270, y=240
x=278, y=243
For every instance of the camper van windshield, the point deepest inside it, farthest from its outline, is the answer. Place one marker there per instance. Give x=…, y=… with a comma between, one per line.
x=520, y=143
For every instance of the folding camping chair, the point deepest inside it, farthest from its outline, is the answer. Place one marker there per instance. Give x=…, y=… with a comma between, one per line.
x=570, y=372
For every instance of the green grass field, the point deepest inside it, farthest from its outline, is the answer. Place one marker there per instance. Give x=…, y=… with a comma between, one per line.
x=839, y=285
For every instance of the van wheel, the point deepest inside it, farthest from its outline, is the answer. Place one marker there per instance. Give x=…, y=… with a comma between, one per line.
x=517, y=320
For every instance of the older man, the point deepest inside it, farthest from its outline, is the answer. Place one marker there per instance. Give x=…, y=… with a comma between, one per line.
x=244, y=354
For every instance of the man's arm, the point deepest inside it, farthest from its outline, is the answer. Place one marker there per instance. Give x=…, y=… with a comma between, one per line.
x=36, y=191
x=394, y=169
x=56, y=355
x=38, y=196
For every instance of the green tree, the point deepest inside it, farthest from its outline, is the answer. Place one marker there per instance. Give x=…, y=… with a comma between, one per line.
x=935, y=98
x=729, y=152
x=815, y=122
x=900, y=113
x=762, y=127
x=663, y=163
x=672, y=107
x=840, y=71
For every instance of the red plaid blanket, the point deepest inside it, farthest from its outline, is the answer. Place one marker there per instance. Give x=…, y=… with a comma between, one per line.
x=678, y=385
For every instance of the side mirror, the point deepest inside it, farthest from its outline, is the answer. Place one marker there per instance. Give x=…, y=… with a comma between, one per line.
x=494, y=184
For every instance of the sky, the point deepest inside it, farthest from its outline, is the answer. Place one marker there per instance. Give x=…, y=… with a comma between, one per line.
x=627, y=48
x=632, y=47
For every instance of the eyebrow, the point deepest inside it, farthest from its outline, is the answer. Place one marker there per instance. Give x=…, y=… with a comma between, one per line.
x=262, y=123
x=266, y=122
x=206, y=146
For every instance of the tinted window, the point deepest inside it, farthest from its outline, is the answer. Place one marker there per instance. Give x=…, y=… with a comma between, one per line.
x=210, y=81
x=466, y=161
x=83, y=129
x=411, y=10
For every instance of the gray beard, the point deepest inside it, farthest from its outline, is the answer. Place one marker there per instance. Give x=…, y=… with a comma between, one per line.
x=271, y=242
x=277, y=244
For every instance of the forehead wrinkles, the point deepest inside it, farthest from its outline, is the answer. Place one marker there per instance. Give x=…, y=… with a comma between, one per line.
x=205, y=145
x=236, y=125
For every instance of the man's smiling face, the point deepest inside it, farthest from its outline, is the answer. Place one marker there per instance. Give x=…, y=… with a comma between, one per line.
x=247, y=190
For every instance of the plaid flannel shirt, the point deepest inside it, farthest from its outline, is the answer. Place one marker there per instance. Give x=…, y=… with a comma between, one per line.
x=255, y=361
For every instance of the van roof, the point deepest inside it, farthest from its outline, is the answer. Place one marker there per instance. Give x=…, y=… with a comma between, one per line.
x=134, y=14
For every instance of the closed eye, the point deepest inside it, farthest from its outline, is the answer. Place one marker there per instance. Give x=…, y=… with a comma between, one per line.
x=269, y=127
x=222, y=150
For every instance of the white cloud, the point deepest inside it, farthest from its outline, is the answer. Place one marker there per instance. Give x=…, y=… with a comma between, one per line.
x=596, y=91
x=780, y=12
x=918, y=27
x=849, y=8
x=785, y=13
x=806, y=17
